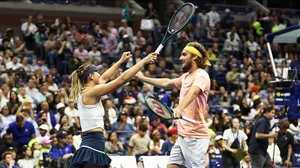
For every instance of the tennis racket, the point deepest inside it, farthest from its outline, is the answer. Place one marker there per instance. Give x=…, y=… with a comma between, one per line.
x=179, y=20
x=162, y=110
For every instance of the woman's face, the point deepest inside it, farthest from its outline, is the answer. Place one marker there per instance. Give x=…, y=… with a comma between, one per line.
x=36, y=146
x=157, y=136
x=28, y=152
x=113, y=136
x=13, y=95
x=5, y=111
x=216, y=120
x=65, y=127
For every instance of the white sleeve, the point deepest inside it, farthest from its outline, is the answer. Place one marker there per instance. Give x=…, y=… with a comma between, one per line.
x=24, y=27
x=226, y=135
x=243, y=135
x=151, y=146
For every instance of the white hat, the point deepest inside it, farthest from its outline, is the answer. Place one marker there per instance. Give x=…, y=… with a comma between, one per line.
x=227, y=10
x=218, y=137
x=60, y=105
x=44, y=127
x=225, y=111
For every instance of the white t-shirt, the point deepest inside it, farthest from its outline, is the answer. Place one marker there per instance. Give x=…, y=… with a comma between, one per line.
x=230, y=136
x=213, y=17
x=161, y=141
x=23, y=163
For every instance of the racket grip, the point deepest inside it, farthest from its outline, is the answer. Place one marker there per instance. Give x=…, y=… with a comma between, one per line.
x=188, y=119
x=159, y=48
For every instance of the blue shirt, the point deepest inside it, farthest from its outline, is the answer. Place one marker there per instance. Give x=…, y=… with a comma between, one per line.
x=166, y=147
x=259, y=146
x=4, y=166
x=128, y=130
x=58, y=152
x=21, y=135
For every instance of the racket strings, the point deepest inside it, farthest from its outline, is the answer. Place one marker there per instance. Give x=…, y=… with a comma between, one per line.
x=181, y=18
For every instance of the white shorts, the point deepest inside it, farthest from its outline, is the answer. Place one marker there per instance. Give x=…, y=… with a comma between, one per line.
x=189, y=152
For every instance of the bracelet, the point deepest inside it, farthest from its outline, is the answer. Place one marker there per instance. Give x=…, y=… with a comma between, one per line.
x=289, y=158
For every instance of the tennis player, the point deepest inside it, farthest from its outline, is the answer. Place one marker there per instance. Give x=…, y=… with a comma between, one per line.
x=87, y=88
x=193, y=140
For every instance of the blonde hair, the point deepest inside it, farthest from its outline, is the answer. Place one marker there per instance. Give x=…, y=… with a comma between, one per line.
x=77, y=83
x=200, y=61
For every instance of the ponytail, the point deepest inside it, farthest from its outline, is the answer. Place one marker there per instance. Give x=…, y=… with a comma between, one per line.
x=76, y=85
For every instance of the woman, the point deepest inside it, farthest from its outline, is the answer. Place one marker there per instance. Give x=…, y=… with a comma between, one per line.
x=87, y=88
x=13, y=103
x=155, y=144
x=26, y=159
x=233, y=138
x=113, y=145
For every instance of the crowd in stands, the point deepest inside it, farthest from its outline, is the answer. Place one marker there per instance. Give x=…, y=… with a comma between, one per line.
x=40, y=126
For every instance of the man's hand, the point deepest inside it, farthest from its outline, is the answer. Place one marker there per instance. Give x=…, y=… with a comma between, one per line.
x=177, y=113
x=288, y=163
x=66, y=156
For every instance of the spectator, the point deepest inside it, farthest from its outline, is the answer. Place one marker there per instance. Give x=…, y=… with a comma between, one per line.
x=51, y=121
x=9, y=162
x=127, y=14
x=122, y=125
x=21, y=130
x=233, y=139
x=6, y=117
x=30, y=89
x=13, y=103
x=139, y=143
x=62, y=150
x=156, y=144
x=228, y=20
x=213, y=18
x=169, y=143
x=26, y=159
x=111, y=29
x=285, y=141
x=113, y=145
x=29, y=28
x=81, y=52
x=7, y=143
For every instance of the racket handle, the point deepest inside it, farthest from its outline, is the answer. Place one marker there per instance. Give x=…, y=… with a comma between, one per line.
x=188, y=119
x=159, y=48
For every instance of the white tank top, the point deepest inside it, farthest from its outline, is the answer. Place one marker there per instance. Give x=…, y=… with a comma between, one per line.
x=91, y=116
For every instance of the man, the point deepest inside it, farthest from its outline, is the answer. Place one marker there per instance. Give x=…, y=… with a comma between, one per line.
x=62, y=150
x=169, y=143
x=8, y=160
x=193, y=141
x=139, y=143
x=21, y=130
x=285, y=141
x=259, y=140
x=7, y=142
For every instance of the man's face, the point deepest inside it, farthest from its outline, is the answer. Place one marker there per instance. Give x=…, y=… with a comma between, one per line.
x=64, y=140
x=142, y=133
x=270, y=115
x=20, y=124
x=186, y=60
x=8, y=158
x=8, y=139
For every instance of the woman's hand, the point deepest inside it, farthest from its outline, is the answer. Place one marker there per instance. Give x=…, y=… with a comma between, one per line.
x=125, y=57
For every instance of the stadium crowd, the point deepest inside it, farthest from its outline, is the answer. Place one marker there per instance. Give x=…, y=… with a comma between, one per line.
x=40, y=126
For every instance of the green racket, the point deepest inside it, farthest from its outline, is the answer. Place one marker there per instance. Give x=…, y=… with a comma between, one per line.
x=179, y=20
